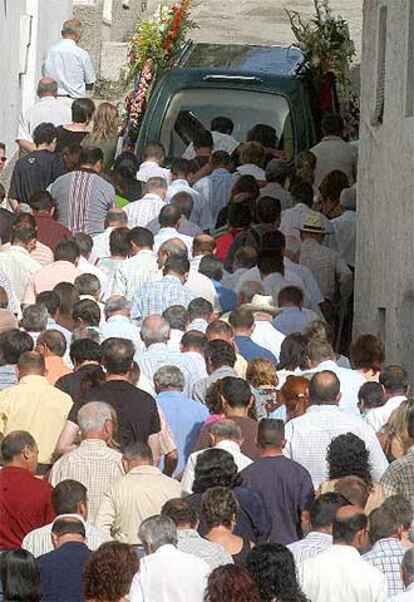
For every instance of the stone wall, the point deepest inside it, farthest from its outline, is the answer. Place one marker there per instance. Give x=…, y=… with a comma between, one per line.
x=384, y=297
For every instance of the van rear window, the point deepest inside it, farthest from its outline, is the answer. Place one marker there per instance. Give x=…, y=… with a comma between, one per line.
x=194, y=109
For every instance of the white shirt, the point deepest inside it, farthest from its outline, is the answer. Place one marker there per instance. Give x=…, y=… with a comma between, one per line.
x=199, y=363
x=17, y=264
x=231, y=280
x=292, y=220
x=100, y=247
x=266, y=335
x=169, y=575
x=340, y=575
x=232, y=447
x=71, y=66
x=222, y=142
x=272, y=283
x=47, y=110
x=202, y=287
x=249, y=169
x=309, y=435
x=201, y=214
x=186, y=227
x=345, y=232
x=122, y=327
x=333, y=153
x=87, y=268
x=167, y=233
x=133, y=273
x=175, y=339
x=351, y=382
x=377, y=417
x=142, y=211
x=150, y=169
x=313, y=292
x=216, y=189
x=407, y=596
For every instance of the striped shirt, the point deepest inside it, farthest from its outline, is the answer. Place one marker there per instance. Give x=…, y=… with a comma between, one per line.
x=309, y=547
x=83, y=199
x=190, y=542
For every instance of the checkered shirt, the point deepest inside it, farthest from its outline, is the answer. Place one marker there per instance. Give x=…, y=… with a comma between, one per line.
x=399, y=477
x=386, y=555
x=156, y=296
x=309, y=547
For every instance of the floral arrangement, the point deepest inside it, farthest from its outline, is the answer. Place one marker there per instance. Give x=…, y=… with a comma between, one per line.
x=152, y=48
x=329, y=51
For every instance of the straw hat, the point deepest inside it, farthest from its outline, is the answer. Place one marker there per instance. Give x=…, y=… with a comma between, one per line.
x=314, y=223
x=264, y=303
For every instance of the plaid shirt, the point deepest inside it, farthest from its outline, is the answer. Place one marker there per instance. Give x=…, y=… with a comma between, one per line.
x=309, y=547
x=156, y=296
x=386, y=555
x=399, y=477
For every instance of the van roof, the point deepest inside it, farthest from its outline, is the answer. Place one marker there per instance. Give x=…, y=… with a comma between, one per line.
x=238, y=58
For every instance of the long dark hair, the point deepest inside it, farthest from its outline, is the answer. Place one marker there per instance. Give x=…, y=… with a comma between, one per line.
x=20, y=577
x=215, y=468
x=347, y=455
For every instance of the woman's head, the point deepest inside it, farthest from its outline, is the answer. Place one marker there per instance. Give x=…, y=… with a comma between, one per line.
x=293, y=352
x=252, y=152
x=273, y=568
x=347, y=455
x=401, y=423
x=320, y=331
x=245, y=185
x=265, y=135
x=20, y=577
x=127, y=165
x=82, y=110
x=109, y=572
x=295, y=395
x=105, y=122
x=305, y=164
x=367, y=353
x=215, y=468
x=332, y=185
x=219, y=507
x=261, y=373
x=230, y=583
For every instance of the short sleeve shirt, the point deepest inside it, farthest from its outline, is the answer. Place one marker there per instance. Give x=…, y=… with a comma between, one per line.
x=34, y=172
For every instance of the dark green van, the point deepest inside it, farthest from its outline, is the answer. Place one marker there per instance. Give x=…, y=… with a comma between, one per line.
x=249, y=84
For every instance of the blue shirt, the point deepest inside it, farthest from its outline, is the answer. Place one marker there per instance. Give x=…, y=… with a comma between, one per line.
x=61, y=572
x=293, y=319
x=250, y=350
x=227, y=297
x=185, y=417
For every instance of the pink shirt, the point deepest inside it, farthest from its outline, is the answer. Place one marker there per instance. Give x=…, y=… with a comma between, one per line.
x=48, y=277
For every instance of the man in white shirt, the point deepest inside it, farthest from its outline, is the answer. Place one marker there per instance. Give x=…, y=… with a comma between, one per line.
x=85, y=244
x=394, y=380
x=169, y=219
x=184, y=202
x=321, y=357
x=309, y=435
x=332, y=152
x=224, y=434
x=181, y=171
x=339, y=573
x=152, y=165
x=345, y=226
x=216, y=187
x=407, y=572
x=142, y=211
x=115, y=218
x=47, y=110
x=118, y=321
x=16, y=262
x=165, y=573
x=68, y=64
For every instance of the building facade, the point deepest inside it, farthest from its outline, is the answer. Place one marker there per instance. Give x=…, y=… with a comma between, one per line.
x=384, y=290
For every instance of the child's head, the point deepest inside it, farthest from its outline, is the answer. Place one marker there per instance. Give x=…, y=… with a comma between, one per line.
x=261, y=373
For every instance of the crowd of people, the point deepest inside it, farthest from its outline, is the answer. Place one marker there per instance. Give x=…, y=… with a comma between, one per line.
x=184, y=415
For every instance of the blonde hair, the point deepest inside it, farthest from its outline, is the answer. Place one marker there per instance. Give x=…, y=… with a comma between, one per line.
x=397, y=425
x=260, y=372
x=105, y=122
x=252, y=152
x=305, y=164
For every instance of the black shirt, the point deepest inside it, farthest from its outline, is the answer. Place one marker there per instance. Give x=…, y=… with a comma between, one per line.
x=68, y=138
x=136, y=410
x=33, y=173
x=61, y=572
x=72, y=383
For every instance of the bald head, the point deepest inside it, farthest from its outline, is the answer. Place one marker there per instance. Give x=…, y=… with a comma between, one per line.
x=203, y=244
x=155, y=329
x=170, y=248
x=47, y=87
x=324, y=388
x=71, y=29
x=350, y=527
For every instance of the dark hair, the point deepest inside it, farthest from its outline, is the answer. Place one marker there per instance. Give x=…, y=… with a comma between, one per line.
x=211, y=267
x=13, y=343
x=181, y=166
x=20, y=577
x=368, y=353
x=332, y=185
x=181, y=511
x=88, y=311
x=221, y=159
x=68, y=296
x=268, y=210
x=372, y=394
x=231, y=583
x=118, y=355
x=402, y=509
x=68, y=525
x=219, y=506
x=178, y=264
x=84, y=350
x=116, y=216
x=394, y=378
x=324, y=388
x=270, y=260
x=67, y=495
x=272, y=566
x=354, y=490
x=266, y=135
x=196, y=339
x=199, y=307
x=31, y=362
x=84, y=242
x=23, y=232
x=302, y=193
x=347, y=455
x=241, y=318
x=246, y=257
x=176, y=316
x=236, y=392
x=202, y=139
x=219, y=327
x=14, y=443
x=67, y=250
x=290, y=294
x=50, y=300
x=118, y=242
x=224, y=125
x=215, y=468
x=141, y=237
x=332, y=124
x=345, y=528
x=82, y=110
x=324, y=508
x=239, y=215
x=70, y=155
x=90, y=155
x=41, y=200
x=127, y=165
x=219, y=353
x=293, y=352
x=109, y=572
x=270, y=433
x=169, y=216
x=44, y=133
x=54, y=340
x=383, y=523
x=87, y=284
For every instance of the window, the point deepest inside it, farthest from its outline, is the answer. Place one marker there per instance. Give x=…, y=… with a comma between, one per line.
x=194, y=109
x=378, y=115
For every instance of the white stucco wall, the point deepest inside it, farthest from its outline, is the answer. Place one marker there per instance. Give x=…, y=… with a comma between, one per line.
x=18, y=91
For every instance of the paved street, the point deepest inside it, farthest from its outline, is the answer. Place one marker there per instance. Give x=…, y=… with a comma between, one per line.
x=262, y=21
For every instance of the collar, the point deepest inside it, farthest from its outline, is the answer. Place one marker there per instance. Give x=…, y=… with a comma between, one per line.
x=18, y=249
x=180, y=182
x=327, y=407
x=343, y=550
x=388, y=541
x=231, y=446
x=177, y=394
x=47, y=98
x=144, y=470
x=220, y=171
x=172, y=278
x=326, y=365
x=158, y=347
x=184, y=533
x=318, y=535
x=150, y=196
x=119, y=318
x=224, y=370
x=168, y=230
x=93, y=443
x=33, y=379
